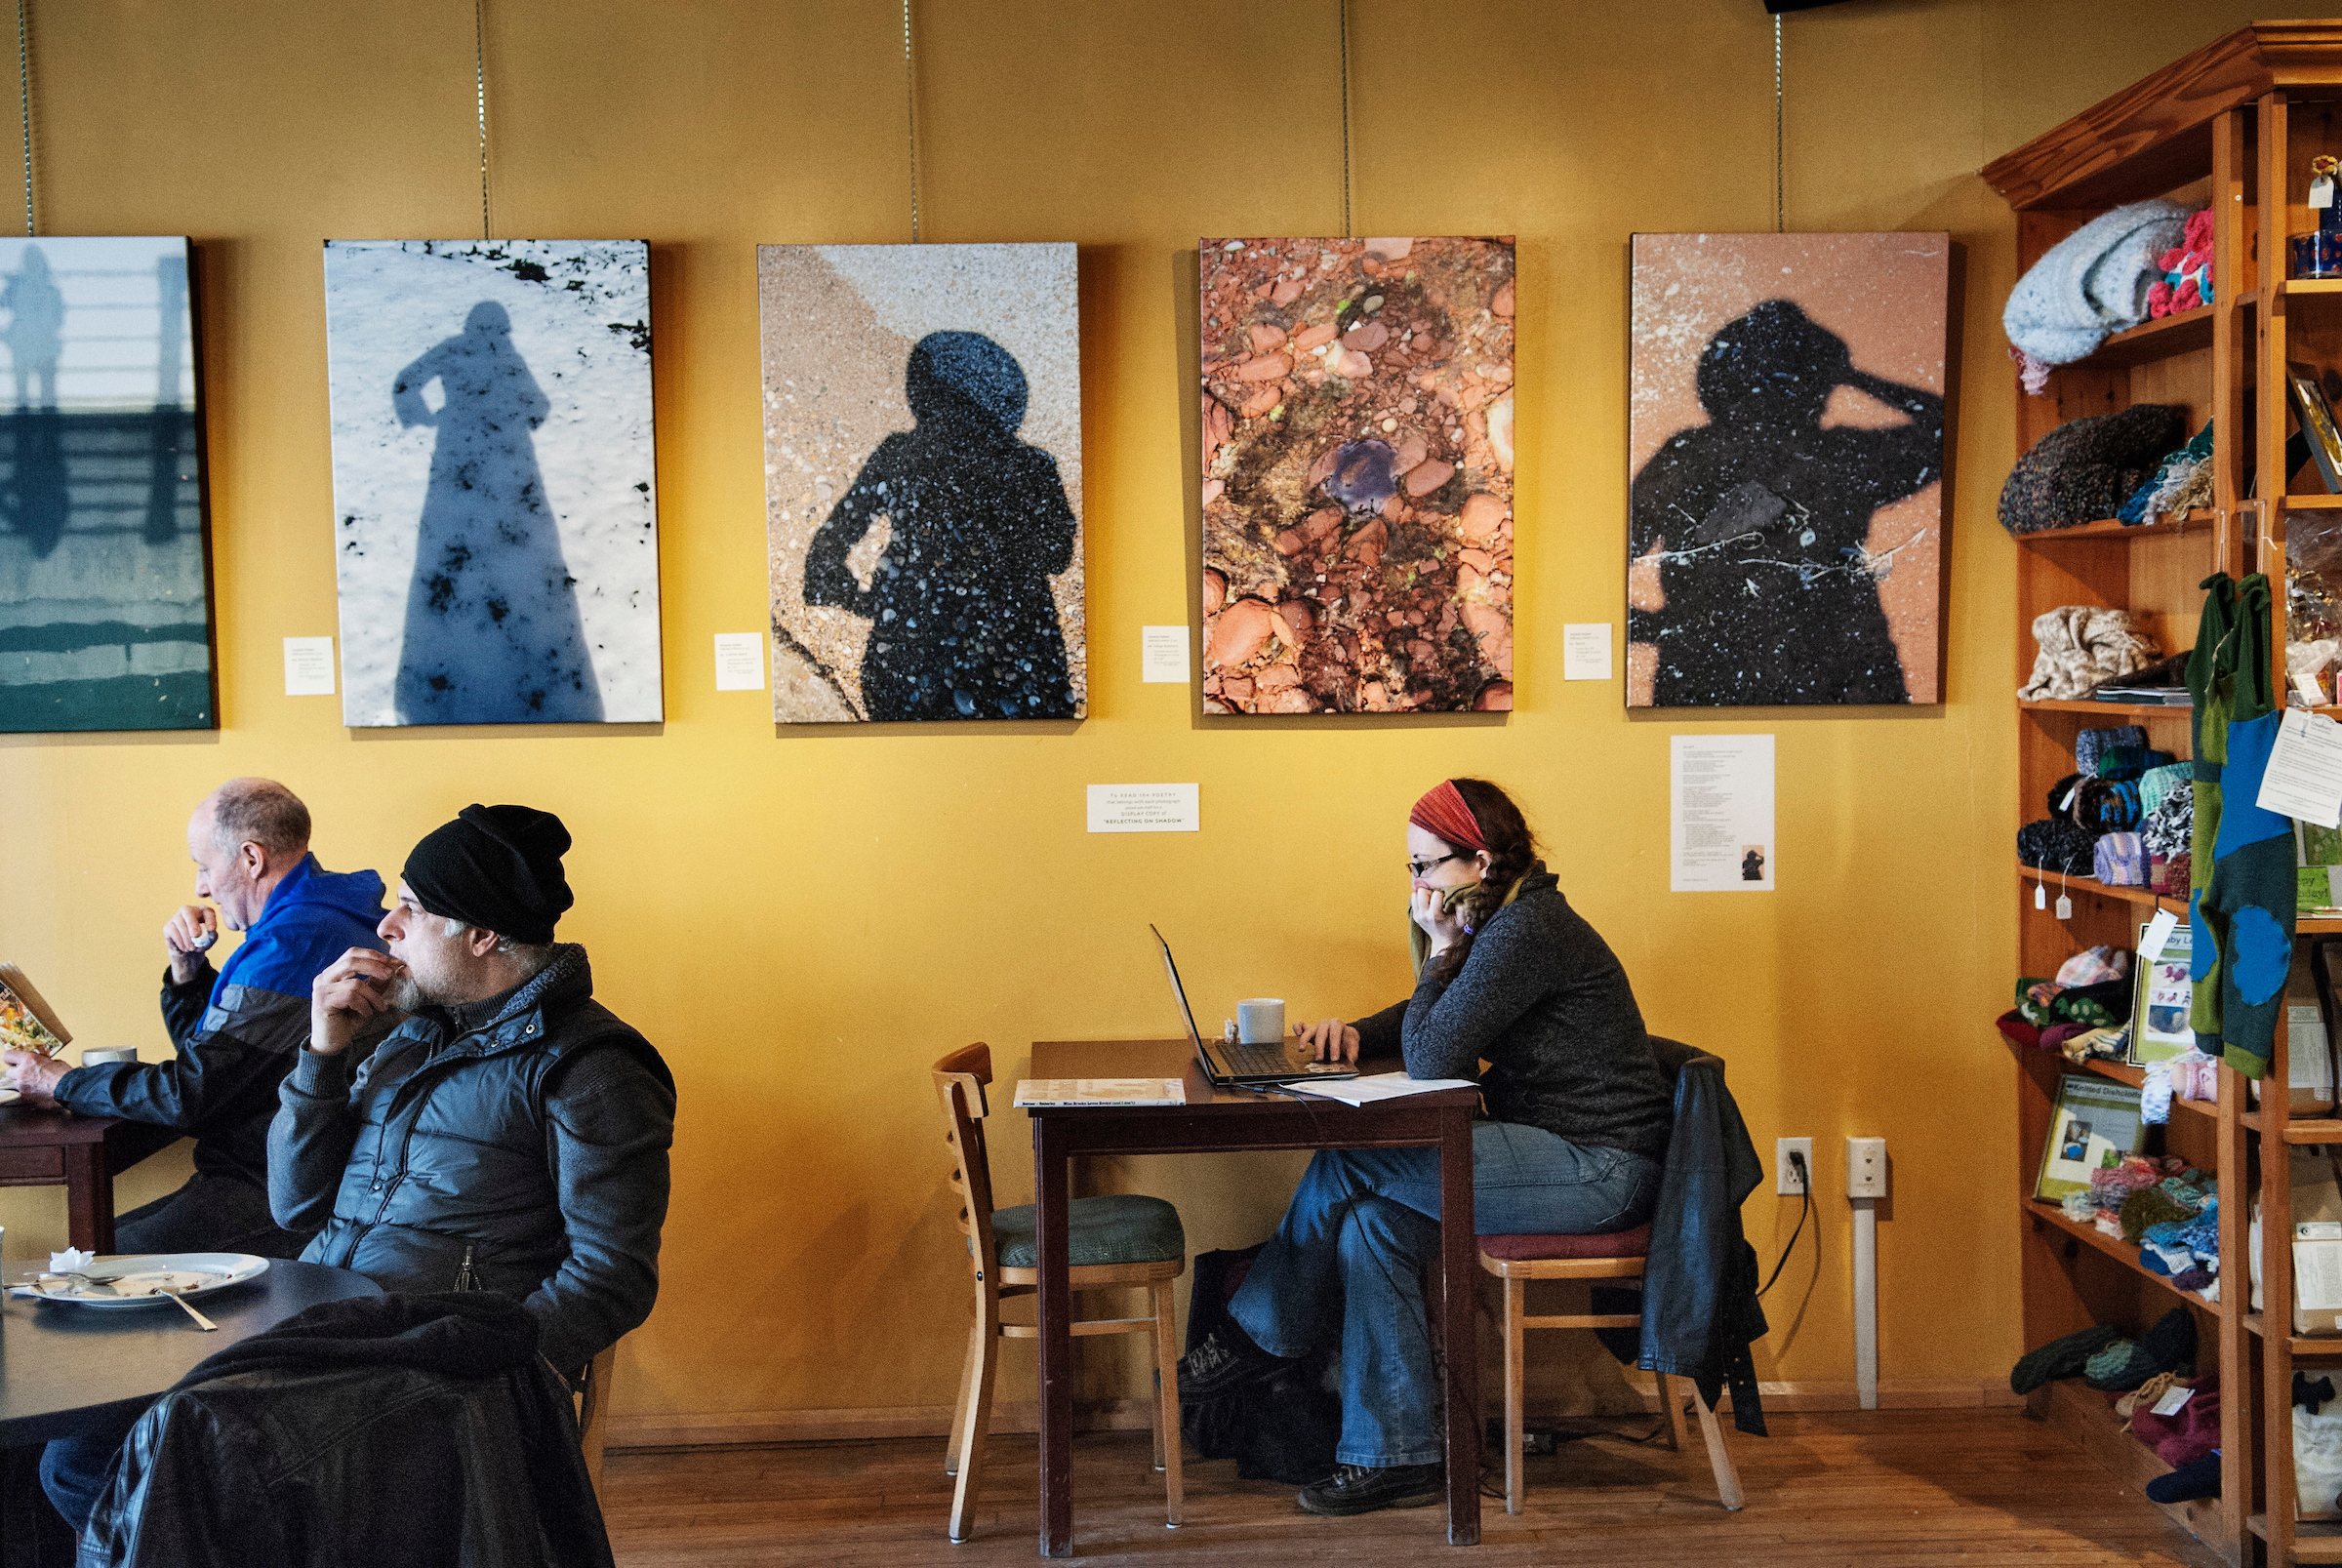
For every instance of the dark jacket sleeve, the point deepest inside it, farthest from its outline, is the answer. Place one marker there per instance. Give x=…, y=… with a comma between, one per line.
x=1449, y=1028
x=183, y=1005
x=1378, y=1032
x=1699, y=1308
x=609, y=1125
x=237, y=1045
x=310, y=1141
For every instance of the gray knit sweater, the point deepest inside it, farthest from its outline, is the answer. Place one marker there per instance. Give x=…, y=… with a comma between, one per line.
x=1543, y=999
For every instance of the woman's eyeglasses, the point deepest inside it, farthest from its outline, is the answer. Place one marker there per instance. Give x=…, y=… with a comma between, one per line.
x=1422, y=867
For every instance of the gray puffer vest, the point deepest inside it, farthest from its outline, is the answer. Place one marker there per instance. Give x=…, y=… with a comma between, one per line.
x=451, y=1161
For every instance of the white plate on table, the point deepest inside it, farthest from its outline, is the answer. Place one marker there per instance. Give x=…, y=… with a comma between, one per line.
x=188, y=1274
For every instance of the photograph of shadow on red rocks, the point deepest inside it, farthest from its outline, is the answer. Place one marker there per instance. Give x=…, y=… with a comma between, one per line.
x=1357, y=476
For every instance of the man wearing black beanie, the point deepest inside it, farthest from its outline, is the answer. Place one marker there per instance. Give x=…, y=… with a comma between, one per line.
x=509, y=1133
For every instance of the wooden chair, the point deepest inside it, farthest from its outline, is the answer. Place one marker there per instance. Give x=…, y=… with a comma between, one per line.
x=593, y=1412
x=1119, y=1242
x=1518, y=1260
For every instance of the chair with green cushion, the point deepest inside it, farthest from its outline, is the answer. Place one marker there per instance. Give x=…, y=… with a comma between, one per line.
x=1120, y=1242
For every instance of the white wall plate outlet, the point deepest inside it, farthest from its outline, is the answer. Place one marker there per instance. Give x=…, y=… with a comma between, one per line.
x=1785, y=1179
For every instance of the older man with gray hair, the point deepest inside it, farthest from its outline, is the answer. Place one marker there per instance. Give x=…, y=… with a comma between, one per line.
x=238, y=1029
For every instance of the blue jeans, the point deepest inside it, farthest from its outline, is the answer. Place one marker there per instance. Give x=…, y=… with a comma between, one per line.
x=1362, y=1228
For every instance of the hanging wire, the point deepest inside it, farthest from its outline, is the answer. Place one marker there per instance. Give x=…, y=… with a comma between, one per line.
x=1342, y=7
x=24, y=110
x=479, y=87
x=910, y=105
x=1779, y=162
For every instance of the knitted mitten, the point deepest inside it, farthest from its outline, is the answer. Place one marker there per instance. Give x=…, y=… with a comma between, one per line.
x=2060, y=1357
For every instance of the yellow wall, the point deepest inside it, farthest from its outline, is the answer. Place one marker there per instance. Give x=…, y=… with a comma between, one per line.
x=803, y=921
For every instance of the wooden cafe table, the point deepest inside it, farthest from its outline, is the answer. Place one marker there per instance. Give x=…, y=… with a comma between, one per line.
x=83, y=1154
x=1233, y=1119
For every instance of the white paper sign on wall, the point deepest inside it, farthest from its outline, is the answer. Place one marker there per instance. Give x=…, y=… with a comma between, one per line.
x=1148, y=808
x=1586, y=650
x=1163, y=654
x=308, y=667
x=739, y=661
x=1720, y=797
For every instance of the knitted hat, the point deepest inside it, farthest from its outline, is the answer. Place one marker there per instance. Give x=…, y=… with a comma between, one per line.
x=2060, y=1358
x=2085, y=469
x=495, y=868
x=2092, y=282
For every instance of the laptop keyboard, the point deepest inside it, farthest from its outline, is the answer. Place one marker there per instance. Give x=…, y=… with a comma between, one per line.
x=1257, y=1061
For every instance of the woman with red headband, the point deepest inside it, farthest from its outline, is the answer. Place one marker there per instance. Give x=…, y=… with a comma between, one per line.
x=1506, y=973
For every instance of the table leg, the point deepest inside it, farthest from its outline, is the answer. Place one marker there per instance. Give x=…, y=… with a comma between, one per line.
x=1460, y=1326
x=1055, y=1302
x=89, y=1198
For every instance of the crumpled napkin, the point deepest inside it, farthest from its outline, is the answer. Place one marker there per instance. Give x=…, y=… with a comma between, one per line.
x=71, y=1261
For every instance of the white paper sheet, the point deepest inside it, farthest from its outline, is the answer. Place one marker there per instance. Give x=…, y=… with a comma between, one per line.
x=1159, y=808
x=2158, y=930
x=739, y=661
x=1163, y=654
x=308, y=667
x=1719, y=798
x=1376, y=1086
x=2304, y=777
x=1586, y=650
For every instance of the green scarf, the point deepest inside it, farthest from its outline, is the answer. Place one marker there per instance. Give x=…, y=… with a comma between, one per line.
x=1419, y=941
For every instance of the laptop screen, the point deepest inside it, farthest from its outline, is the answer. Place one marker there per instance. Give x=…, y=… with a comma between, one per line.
x=1179, y=993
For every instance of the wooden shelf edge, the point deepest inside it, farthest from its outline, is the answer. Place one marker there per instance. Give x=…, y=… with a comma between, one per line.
x=2124, y=1072
x=2314, y=1540
x=2122, y=1252
x=2298, y=1344
x=2091, y=887
x=2195, y=522
x=2083, y=1415
x=2164, y=337
x=2314, y=1130
x=2065, y=705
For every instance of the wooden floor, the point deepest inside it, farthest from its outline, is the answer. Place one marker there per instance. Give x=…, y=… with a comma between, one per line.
x=1909, y=1489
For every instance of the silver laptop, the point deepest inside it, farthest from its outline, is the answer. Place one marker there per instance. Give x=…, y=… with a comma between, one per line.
x=1229, y=1064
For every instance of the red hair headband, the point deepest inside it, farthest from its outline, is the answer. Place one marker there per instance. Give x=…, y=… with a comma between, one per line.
x=1443, y=812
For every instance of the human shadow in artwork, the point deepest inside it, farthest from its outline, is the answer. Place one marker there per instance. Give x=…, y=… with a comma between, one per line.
x=34, y=499
x=492, y=632
x=1760, y=520
x=962, y=622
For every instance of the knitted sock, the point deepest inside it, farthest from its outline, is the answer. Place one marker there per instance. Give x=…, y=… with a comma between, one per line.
x=2060, y=1357
x=2211, y=670
x=2189, y=1482
x=2250, y=899
x=2195, y=1280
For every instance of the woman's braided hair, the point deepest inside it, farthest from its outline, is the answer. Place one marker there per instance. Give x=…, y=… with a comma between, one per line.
x=1512, y=851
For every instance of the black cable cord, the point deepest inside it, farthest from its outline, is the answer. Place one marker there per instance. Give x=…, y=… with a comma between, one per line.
x=1796, y=1163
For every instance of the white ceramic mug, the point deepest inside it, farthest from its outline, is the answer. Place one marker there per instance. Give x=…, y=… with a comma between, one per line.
x=93, y=1056
x=1260, y=1020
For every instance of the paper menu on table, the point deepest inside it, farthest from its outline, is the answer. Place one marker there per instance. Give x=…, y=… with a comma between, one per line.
x=1059, y=1092
x=1379, y=1086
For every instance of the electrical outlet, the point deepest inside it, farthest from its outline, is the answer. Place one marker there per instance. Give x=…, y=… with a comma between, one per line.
x=1866, y=1167
x=1786, y=1180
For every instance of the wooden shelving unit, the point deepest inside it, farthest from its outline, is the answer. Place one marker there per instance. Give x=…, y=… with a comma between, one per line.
x=2230, y=127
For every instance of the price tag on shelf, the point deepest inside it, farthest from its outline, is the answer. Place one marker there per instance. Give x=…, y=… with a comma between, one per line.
x=2065, y=907
x=2158, y=932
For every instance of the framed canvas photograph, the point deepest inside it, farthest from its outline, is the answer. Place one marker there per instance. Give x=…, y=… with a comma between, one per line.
x=1786, y=428
x=496, y=505
x=922, y=442
x=105, y=612
x=1357, y=474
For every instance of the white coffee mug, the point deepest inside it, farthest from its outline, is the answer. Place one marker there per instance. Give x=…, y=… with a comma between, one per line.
x=1260, y=1020
x=97, y=1055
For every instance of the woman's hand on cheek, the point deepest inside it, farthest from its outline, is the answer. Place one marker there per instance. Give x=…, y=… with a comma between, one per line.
x=1444, y=929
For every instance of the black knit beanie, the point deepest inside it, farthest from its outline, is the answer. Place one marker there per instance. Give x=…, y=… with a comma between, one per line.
x=496, y=867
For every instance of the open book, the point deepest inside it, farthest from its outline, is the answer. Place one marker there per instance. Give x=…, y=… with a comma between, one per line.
x=26, y=1022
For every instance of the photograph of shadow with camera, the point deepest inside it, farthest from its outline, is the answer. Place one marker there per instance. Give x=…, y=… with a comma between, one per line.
x=1786, y=426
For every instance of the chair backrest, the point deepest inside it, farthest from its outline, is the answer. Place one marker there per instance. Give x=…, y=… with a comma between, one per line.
x=959, y=1083
x=1673, y=1056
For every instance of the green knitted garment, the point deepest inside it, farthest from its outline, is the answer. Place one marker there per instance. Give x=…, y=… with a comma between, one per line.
x=2211, y=672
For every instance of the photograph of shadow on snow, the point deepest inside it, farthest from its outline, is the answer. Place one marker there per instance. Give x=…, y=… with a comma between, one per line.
x=496, y=514
x=922, y=460
x=104, y=599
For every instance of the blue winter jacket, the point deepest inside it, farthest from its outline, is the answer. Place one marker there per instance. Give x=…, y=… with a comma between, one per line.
x=237, y=1031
